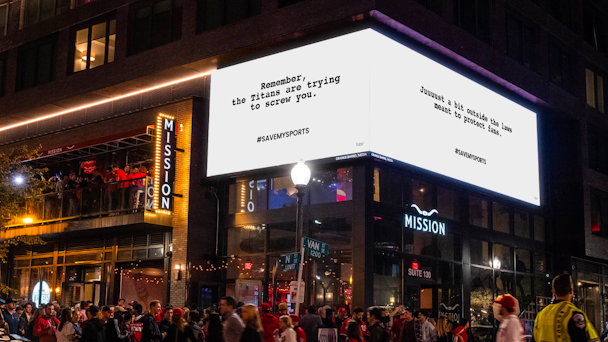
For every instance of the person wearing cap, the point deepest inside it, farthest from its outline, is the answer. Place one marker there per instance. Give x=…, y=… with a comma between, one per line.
x=269, y=322
x=342, y=316
x=282, y=310
x=506, y=309
x=94, y=330
x=179, y=331
x=300, y=334
x=11, y=317
x=562, y=321
x=121, y=302
x=45, y=325
x=116, y=327
x=106, y=314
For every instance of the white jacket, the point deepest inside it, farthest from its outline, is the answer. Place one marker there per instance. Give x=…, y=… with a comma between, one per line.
x=428, y=332
x=288, y=335
x=510, y=330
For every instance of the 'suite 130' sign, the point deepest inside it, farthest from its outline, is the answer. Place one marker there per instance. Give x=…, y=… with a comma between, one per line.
x=164, y=174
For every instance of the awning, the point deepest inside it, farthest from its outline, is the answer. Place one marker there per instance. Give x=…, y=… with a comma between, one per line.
x=127, y=139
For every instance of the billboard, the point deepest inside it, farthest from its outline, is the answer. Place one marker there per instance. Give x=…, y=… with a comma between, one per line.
x=364, y=92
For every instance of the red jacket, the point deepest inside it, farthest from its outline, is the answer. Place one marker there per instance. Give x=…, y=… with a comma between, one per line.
x=122, y=176
x=270, y=324
x=42, y=326
x=362, y=328
x=300, y=334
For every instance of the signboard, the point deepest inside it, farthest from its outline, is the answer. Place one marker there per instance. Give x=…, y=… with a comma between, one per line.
x=366, y=94
x=45, y=292
x=164, y=174
x=290, y=261
x=327, y=335
x=315, y=249
x=423, y=222
x=293, y=290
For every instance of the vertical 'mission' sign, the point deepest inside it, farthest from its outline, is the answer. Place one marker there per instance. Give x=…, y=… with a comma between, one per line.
x=164, y=174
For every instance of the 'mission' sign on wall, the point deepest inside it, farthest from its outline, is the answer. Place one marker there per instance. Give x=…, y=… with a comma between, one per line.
x=164, y=174
x=364, y=92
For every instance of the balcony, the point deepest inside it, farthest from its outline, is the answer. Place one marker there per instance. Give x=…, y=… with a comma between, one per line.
x=97, y=206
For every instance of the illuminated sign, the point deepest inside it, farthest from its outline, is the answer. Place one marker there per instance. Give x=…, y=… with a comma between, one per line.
x=422, y=221
x=41, y=295
x=248, y=265
x=365, y=94
x=164, y=174
x=419, y=273
x=415, y=266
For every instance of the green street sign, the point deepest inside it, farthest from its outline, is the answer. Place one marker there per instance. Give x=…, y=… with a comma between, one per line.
x=315, y=249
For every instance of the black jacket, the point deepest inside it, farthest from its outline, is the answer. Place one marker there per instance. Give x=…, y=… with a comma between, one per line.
x=116, y=331
x=377, y=333
x=250, y=335
x=94, y=331
x=182, y=336
x=150, y=331
x=164, y=325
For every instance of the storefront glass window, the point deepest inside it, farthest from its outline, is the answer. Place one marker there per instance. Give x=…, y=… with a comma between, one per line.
x=480, y=252
x=248, y=196
x=503, y=255
x=387, y=279
x=248, y=239
x=337, y=232
x=523, y=290
x=419, y=243
x=448, y=203
x=388, y=186
x=500, y=217
x=478, y=212
x=449, y=247
x=482, y=298
x=283, y=280
x=540, y=263
x=449, y=293
x=247, y=267
x=539, y=228
x=331, y=186
x=542, y=286
x=282, y=237
x=282, y=193
x=422, y=194
x=20, y=279
x=387, y=233
x=503, y=282
x=520, y=224
x=523, y=261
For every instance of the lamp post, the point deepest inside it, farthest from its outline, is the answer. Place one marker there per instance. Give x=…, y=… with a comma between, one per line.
x=300, y=175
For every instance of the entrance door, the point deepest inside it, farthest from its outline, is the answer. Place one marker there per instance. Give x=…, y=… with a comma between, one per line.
x=421, y=296
x=590, y=301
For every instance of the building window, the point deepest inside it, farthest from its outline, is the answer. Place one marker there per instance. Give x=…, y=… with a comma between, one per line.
x=520, y=41
x=216, y=13
x=3, y=19
x=283, y=3
x=478, y=212
x=433, y=5
x=94, y=45
x=599, y=213
x=388, y=186
x=500, y=218
x=473, y=16
x=35, y=63
x=39, y=10
x=594, y=84
x=560, y=10
x=595, y=33
x=560, y=67
x=597, y=143
x=521, y=225
x=248, y=196
x=539, y=228
x=156, y=24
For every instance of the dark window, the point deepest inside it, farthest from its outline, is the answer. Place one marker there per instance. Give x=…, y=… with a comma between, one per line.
x=478, y=212
x=594, y=87
x=433, y=5
x=283, y=3
x=473, y=16
x=388, y=186
x=94, y=44
x=39, y=10
x=216, y=13
x=480, y=252
x=595, y=32
x=3, y=19
x=35, y=64
x=560, y=10
x=597, y=144
x=2, y=74
x=520, y=41
x=599, y=213
x=560, y=67
x=156, y=24
x=501, y=218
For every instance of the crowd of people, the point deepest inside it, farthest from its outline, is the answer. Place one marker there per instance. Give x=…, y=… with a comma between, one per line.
x=115, y=189
x=238, y=322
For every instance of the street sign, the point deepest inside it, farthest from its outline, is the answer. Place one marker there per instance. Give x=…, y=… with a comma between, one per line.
x=290, y=261
x=315, y=249
x=295, y=295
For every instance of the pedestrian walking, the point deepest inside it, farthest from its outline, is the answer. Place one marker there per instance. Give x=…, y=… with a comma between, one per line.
x=233, y=324
x=377, y=333
x=94, y=330
x=444, y=334
x=460, y=332
x=270, y=323
x=65, y=331
x=311, y=323
x=253, y=331
x=45, y=325
x=287, y=332
x=300, y=334
x=562, y=321
x=179, y=331
x=506, y=310
x=215, y=331
x=410, y=327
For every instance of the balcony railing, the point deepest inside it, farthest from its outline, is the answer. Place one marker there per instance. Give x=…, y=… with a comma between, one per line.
x=108, y=199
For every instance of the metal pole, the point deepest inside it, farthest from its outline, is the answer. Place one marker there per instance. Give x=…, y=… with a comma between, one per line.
x=300, y=278
x=274, y=284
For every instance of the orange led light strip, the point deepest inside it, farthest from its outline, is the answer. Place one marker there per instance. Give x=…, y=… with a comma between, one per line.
x=93, y=104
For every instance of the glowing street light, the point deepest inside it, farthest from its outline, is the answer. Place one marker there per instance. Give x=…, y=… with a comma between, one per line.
x=18, y=180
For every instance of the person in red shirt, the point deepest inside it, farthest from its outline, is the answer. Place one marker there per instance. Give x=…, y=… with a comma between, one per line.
x=353, y=332
x=300, y=334
x=269, y=322
x=123, y=187
x=45, y=326
x=357, y=317
x=460, y=332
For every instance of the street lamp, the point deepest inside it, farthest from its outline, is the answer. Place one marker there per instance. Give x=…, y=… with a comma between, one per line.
x=300, y=175
x=18, y=180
